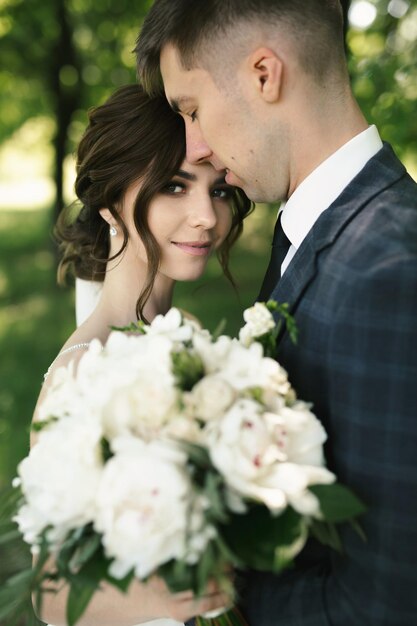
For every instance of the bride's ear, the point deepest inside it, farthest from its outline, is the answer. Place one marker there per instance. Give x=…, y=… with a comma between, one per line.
x=107, y=217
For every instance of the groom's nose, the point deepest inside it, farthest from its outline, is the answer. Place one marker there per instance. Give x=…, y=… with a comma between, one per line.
x=197, y=149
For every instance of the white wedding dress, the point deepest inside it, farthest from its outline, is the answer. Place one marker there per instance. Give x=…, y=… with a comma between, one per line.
x=87, y=295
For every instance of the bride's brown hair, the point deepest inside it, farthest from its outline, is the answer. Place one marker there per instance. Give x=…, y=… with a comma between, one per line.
x=130, y=137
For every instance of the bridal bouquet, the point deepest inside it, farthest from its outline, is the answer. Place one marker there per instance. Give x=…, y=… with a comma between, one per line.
x=177, y=453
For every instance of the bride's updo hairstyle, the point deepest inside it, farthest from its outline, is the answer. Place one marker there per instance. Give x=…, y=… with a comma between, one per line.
x=130, y=137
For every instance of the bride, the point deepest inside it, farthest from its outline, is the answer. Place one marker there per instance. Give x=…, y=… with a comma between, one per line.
x=147, y=220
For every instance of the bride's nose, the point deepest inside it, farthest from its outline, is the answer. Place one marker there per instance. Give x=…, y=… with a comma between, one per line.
x=202, y=213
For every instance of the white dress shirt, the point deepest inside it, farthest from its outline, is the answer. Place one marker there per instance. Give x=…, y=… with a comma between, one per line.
x=321, y=188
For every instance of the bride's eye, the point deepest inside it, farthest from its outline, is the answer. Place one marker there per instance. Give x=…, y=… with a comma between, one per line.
x=223, y=193
x=174, y=188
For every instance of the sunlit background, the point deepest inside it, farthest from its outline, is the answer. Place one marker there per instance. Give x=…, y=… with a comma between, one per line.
x=57, y=59
x=382, y=46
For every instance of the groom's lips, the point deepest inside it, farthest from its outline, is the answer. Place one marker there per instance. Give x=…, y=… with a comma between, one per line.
x=195, y=248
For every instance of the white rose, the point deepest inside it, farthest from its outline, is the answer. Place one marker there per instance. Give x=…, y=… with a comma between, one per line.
x=144, y=502
x=210, y=398
x=246, y=368
x=259, y=321
x=184, y=428
x=59, y=479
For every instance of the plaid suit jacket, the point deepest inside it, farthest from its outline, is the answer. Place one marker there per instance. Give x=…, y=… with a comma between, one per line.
x=352, y=287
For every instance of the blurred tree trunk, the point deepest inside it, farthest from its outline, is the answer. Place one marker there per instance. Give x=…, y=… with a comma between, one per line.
x=66, y=97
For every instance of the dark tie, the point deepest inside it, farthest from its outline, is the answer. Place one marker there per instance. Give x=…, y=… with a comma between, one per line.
x=280, y=247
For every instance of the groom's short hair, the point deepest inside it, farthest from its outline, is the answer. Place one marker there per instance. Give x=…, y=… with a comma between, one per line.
x=199, y=29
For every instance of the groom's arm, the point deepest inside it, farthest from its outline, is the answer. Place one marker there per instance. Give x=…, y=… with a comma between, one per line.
x=372, y=382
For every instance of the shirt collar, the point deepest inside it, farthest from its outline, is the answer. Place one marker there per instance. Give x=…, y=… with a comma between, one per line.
x=321, y=188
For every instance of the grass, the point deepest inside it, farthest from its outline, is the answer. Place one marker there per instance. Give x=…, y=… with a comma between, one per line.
x=36, y=316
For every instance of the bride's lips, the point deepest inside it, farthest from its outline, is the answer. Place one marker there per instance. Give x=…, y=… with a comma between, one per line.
x=195, y=248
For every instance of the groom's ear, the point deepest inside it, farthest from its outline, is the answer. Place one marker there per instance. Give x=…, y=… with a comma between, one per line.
x=265, y=69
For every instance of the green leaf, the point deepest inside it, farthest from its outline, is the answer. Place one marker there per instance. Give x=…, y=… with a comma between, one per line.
x=206, y=567
x=121, y=583
x=86, y=550
x=257, y=538
x=283, y=310
x=9, y=501
x=197, y=454
x=188, y=368
x=133, y=327
x=326, y=534
x=227, y=554
x=36, y=427
x=213, y=489
x=219, y=329
x=11, y=535
x=94, y=571
x=358, y=530
x=71, y=546
x=179, y=576
x=15, y=594
x=337, y=502
x=106, y=451
x=78, y=599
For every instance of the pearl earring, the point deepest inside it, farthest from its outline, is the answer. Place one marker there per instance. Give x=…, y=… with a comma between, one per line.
x=113, y=231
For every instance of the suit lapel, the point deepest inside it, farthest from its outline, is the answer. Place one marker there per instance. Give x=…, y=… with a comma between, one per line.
x=382, y=171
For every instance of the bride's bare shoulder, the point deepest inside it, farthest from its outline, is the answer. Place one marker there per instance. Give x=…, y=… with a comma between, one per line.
x=70, y=354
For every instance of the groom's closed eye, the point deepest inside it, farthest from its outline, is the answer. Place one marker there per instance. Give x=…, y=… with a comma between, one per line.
x=178, y=105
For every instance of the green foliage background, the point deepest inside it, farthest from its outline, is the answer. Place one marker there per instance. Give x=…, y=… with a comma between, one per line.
x=58, y=58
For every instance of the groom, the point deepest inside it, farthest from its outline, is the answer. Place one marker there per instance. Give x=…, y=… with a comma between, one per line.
x=264, y=91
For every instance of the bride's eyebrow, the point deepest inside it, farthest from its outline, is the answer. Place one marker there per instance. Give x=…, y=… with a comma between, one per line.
x=186, y=175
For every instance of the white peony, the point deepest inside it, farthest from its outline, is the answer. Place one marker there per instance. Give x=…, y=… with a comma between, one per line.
x=259, y=321
x=305, y=434
x=143, y=407
x=59, y=479
x=63, y=397
x=144, y=502
x=257, y=452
